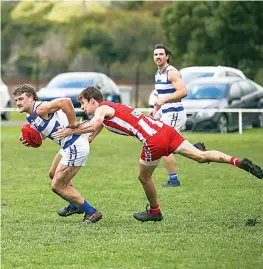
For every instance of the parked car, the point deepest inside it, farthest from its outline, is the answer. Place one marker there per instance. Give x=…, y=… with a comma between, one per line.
x=71, y=85
x=225, y=92
x=194, y=72
x=5, y=100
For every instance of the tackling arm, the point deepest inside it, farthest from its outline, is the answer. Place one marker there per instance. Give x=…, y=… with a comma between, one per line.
x=95, y=133
x=94, y=126
x=96, y=123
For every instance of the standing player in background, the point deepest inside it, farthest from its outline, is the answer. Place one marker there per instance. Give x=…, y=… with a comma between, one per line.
x=45, y=117
x=171, y=89
x=158, y=140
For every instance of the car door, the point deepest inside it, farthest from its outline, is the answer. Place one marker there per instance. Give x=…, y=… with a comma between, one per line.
x=234, y=101
x=249, y=100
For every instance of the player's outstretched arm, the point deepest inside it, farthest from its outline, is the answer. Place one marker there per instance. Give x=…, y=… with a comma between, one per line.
x=83, y=128
x=94, y=125
x=94, y=134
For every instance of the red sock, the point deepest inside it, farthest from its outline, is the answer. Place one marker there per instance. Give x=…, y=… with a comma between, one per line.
x=235, y=161
x=155, y=210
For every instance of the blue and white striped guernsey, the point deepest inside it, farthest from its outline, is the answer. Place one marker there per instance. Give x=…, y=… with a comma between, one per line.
x=165, y=88
x=48, y=127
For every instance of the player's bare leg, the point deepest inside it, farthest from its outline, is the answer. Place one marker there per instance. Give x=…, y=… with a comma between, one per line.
x=54, y=165
x=170, y=165
x=145, y=177
x=186, y=149
x=61, y=185
x=69, y=209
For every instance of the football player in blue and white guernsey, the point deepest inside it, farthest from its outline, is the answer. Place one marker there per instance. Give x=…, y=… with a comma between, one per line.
x=168, y=107
x=45, y=117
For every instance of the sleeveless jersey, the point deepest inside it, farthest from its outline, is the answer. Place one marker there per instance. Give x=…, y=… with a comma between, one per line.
x=49, y=126
x=165, y=88
x=131, y=122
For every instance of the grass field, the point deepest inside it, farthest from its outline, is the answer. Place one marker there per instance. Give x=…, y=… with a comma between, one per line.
x=204, y=222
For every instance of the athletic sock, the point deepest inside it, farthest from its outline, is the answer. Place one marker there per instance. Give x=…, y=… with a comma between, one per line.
x=155, y=210
x=71, y=206
x=87, y=208
x=173, y=178
x=235, y=161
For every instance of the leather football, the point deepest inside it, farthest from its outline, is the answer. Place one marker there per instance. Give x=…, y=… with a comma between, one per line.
x=32, y=136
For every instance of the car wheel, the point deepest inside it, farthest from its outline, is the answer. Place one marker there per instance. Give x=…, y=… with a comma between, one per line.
x=6, y=115
x=222, y=125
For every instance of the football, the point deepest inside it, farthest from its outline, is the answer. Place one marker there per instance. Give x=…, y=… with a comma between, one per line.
x=32, y=136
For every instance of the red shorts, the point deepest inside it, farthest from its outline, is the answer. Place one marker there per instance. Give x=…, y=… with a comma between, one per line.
x=162, y=144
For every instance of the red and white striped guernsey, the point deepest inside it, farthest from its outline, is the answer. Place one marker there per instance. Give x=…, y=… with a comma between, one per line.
x=130, y=121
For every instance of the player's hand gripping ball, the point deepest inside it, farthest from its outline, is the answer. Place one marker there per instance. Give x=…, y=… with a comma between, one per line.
x=32, y=136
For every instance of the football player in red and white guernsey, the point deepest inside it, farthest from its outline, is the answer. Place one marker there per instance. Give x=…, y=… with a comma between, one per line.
x=158, y=140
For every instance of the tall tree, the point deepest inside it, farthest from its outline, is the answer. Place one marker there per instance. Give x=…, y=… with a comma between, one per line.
x=118, y=37
x=240, y=34
x=212, y=33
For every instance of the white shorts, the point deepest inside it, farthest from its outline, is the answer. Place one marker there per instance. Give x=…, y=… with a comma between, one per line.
x=176, y=120
x=77, y=153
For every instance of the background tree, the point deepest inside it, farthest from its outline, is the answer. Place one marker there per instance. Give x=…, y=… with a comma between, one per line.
x=114, y=37
x=7, y=27
x=240, y=35
x=216, y=33
x=120, y=37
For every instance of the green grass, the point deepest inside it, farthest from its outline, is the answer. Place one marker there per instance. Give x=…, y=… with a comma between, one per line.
x=16, y=116
x=204, y=222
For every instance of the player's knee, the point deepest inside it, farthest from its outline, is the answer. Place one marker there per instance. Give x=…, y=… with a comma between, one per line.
x=51, y=174
x=201, y=157
x=55, y=187
x=140, y=177
x=143, y=179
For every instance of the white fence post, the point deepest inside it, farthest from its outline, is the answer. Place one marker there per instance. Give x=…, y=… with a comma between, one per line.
x=240, y=127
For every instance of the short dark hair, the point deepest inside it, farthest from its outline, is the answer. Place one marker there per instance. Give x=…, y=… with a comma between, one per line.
x=27, y=89
x=91, y=92
x=166, y=49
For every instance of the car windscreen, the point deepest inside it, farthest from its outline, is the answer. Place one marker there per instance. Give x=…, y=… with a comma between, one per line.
x=74, y=82
x=190, y=76
x=207, y=91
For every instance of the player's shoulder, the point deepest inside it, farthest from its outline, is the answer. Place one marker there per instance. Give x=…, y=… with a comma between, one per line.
x=107, y=108
x=107, y=105
x=173, y=73
x=172, y=68
x=39, y=105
